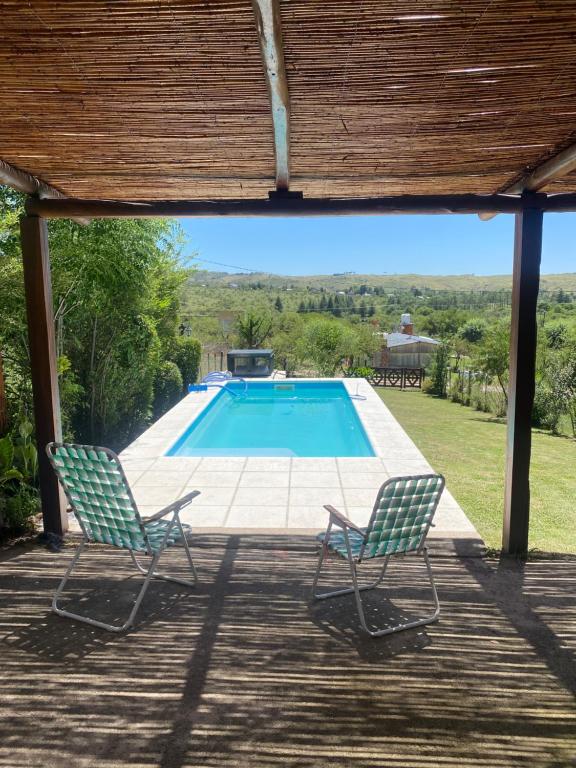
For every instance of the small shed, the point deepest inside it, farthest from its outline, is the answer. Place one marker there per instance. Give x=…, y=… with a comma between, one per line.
x=405, y=350
x=250, y=362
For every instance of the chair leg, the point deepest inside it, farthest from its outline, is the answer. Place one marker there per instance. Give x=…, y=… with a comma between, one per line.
x=346, y=590
x=95, y=622
x=164, y=576
x=357, y=589
x=406, y=624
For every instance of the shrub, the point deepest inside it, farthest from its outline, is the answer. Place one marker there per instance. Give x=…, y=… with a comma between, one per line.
x=473, y=331
x=439, y=372
x=18, y=498
x=556, y=335
x=547, y=410
x=187, y=357
x=167, y=387
x=359, y=372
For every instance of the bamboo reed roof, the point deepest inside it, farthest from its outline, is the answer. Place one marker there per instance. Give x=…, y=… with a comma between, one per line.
x=141, y=99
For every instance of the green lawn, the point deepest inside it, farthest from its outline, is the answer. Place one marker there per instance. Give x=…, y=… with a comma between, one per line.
x=467, y=447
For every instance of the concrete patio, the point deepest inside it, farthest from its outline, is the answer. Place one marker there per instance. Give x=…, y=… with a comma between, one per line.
x=241, y=493
x=244, y=672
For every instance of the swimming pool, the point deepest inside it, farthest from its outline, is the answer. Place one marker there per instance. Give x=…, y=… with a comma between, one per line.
x=276, y=419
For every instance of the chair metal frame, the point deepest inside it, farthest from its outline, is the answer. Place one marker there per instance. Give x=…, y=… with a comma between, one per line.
x=341, y=521
x=149, y=573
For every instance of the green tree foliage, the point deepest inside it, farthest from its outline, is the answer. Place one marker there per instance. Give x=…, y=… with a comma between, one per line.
x=186, y=355
x=473, y=331
x=278, y=306
x=562, y=381
x=253, y=328
x=285, y=342
x=493, y=355
x=167, y=387
x=116, y=287
x=556, y=335
x=444, y=323
x=440, y=369
x=327, y=344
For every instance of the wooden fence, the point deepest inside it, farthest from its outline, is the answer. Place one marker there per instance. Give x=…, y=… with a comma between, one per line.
x=213, y=360
x=403, y=378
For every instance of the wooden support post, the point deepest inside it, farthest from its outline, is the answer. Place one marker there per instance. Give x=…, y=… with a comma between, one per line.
x=523, y=335
x=38, y=287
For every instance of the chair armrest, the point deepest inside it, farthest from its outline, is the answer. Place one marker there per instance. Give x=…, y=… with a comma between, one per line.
x=342, y=521
x=176, y=506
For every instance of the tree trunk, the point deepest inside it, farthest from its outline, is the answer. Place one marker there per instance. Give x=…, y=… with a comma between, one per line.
x=3, y=403
x=92, y=379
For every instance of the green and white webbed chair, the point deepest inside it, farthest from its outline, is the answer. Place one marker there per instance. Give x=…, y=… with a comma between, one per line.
x=400, y=521
x=100, y=496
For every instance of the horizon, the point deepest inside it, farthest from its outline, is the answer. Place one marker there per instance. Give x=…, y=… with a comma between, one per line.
x=375, y=274
x=434, y=246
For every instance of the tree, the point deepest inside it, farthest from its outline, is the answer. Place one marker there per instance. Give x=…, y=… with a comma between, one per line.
x=327, y=344
x=278, y=306
x=253, y=329
x=187, y=354
x=167, y=388
x=563, y=385
x=285, y=342
x=473, y=331
x=439, y=373
x=3, y=402
x=116, y=286
x=444, y=323
x=556, y=335
x=493, y=355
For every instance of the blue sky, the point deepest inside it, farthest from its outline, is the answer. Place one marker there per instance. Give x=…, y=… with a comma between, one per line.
x=449, y=245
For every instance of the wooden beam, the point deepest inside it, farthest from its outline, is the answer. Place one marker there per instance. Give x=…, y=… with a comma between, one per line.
x=523, y=335
x=279, y=206
x=269, y=24
x=38, y=287
x=30, y=185
x=553, y=168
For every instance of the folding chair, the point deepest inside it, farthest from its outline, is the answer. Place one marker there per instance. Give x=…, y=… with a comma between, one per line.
x=400, y=521
x=98, y=492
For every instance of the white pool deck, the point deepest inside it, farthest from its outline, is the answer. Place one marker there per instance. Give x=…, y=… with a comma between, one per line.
x=280, y=493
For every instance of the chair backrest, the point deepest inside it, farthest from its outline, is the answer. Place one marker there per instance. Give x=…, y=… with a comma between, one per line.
x=402, y=515
x=99, y=494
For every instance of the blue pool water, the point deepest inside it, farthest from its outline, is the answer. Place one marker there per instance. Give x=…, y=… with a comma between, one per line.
x=276, y=419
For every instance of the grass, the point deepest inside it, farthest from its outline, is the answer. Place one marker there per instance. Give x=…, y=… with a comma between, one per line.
x=468, y=448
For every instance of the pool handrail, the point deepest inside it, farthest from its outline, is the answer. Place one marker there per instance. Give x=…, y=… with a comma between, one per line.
x=221, y=378
x=216, y=376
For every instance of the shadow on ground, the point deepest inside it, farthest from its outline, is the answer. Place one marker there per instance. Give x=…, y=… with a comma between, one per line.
x=243, y=671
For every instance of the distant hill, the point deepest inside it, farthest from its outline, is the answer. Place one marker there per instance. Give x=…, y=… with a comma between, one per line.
x=341, y=282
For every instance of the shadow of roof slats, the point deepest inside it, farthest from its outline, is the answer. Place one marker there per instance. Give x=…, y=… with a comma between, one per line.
x=244, y=671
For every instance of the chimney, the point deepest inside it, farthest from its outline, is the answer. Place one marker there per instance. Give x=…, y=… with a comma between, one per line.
x=406, y=325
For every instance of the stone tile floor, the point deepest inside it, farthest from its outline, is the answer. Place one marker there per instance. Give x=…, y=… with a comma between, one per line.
x=280, y=492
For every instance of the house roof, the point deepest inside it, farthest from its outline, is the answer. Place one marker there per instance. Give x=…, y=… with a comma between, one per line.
x=137, y=100
x=403, y=339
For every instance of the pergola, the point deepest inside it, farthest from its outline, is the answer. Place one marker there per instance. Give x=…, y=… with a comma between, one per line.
x=290, y=108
